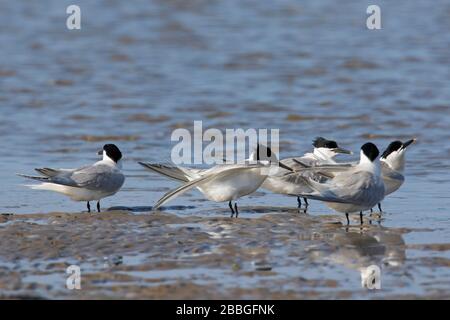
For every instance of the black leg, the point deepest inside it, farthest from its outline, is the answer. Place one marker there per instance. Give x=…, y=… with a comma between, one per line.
x=361, y=217
x=371, y=210
x=232, y=210
x=299, y=202
x=379, y=207
x=306, y=205
x=306, y=202
x=98, y=206
x=235, y=209
x=89, y=207
x=348, y=220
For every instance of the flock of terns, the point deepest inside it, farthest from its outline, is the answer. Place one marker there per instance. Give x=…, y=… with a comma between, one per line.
x=346, y=187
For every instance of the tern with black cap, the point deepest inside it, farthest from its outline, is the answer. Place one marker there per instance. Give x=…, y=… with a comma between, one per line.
x=224, y=182
x=89, y=183
x=356, y=189
x=324, y=152
x=392, y=166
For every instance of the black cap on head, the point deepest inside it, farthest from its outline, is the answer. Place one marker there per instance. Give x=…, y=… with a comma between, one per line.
x=321, y=142
x=370, y=150
x=263, y=152
x=393, y=146
x=112, y=152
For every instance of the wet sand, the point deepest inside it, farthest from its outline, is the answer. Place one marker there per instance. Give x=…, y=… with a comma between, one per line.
x=275, y=254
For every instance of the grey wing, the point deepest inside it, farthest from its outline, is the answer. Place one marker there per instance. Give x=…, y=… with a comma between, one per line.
x=296, y=178
x=50, y=172
x=316, y=169
x=332, y=167
x=299, y=163
x=394, y=176
x=360, y=186
x=301, y=169
x=50, y=175
x=172, y=172
x=56, y=176
x=390, y=174
x=327, y=198
x=98, y=177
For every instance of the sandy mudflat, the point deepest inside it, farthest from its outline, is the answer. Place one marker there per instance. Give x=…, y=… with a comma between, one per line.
x=160, y=255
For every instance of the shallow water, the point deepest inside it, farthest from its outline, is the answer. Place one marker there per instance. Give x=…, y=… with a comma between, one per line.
x=134, y=73
x=275, y=255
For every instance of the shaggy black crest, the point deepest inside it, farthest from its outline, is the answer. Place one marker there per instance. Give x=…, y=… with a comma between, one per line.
x=320, y=142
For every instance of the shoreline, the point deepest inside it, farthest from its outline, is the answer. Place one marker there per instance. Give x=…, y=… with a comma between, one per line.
x=160, y=255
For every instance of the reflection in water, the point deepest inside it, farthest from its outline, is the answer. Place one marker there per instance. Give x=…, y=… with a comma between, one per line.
x=363, y=249
x=295, y=255
x=371, y=277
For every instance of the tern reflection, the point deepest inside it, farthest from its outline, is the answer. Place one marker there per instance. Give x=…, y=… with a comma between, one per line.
x=367, y=250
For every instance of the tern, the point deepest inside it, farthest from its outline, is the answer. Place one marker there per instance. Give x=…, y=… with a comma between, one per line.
x=224, y=182
x=356, y=189
x=392, y=166
x=324, y=153
x=95, y=182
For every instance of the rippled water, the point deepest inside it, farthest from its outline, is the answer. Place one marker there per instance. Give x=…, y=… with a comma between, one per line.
x=136, y=72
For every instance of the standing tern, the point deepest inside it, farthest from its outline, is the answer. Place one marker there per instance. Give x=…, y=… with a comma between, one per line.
x=356, y=189
x=323, y=153
x=95, y=182
x=225, y=182
x=392, y=166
